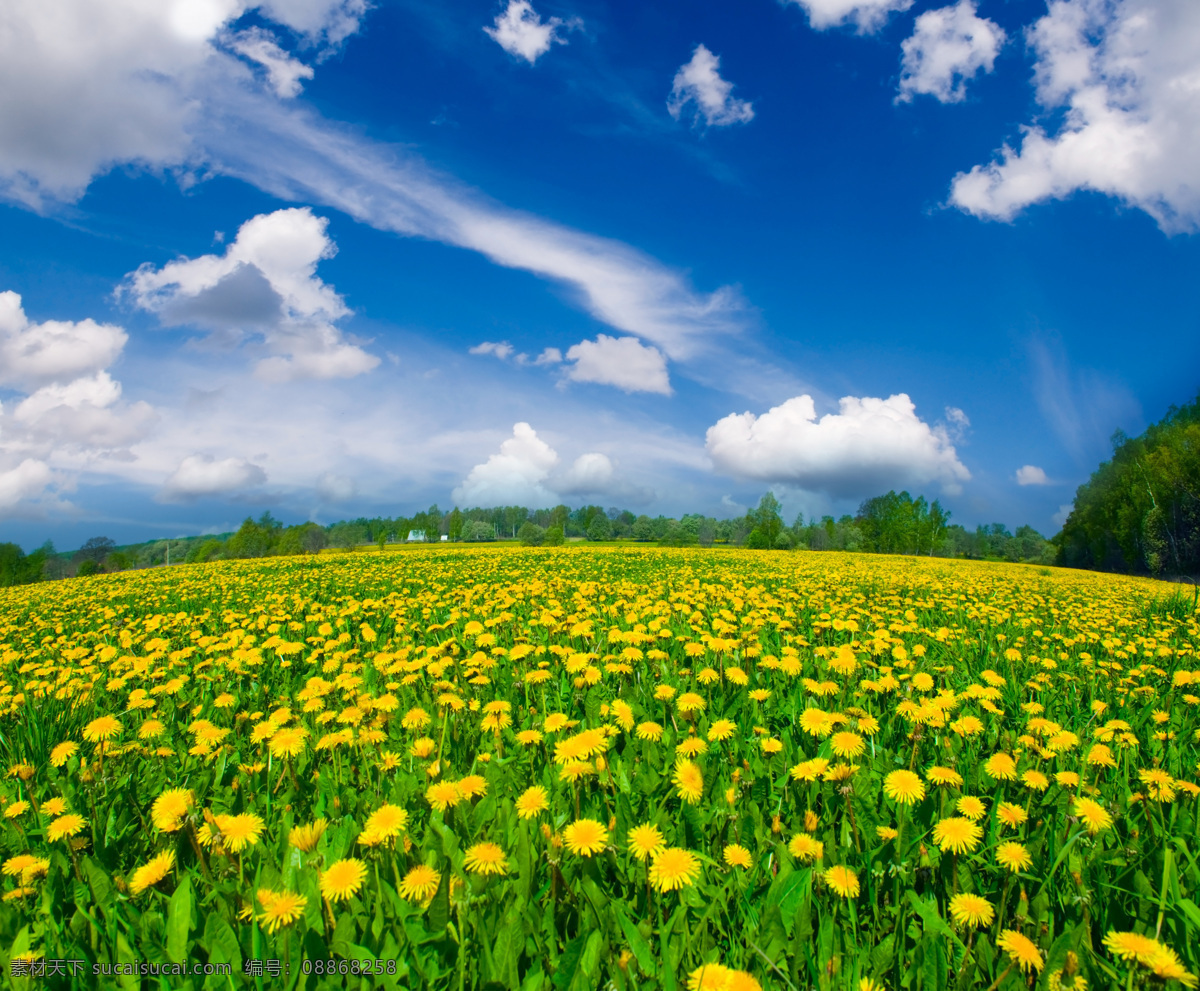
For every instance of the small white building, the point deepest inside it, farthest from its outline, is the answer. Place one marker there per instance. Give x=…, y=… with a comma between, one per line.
x=415, y=537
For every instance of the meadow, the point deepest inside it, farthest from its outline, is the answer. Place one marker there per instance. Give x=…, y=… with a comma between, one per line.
x=583, y=768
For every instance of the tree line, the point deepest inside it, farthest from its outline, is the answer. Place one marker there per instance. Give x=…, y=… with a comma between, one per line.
x=1140, y=510
x=894, y=523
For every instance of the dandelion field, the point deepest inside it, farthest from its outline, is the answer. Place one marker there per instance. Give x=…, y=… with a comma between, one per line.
x=589, y=768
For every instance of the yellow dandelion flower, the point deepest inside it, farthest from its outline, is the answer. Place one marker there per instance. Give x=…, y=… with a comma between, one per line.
x=65, y=826
x=646, y=841
x=904, y=787
x=63, y=753
x=1013, y=857
x=957, y=835
x=689, y=781
x=736, y=855
x=306, y=838
x=842, y=880
x=972, y=911
x=533, y=802
x=673, y=869
x=420, y=883
x=485, y=858
x=341, y=880
x=102, y=728
x=150, y=873
x=1022, y=949
x=585, y=837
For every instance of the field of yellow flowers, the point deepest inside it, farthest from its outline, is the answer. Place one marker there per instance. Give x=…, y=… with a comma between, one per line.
x=584, y=768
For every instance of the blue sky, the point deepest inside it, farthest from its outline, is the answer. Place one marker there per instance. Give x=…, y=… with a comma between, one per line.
x=331, y=259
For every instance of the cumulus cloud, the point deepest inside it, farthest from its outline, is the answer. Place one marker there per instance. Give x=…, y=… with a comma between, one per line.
x=201, y=475
x=33, y=354
x=698, y=83
x=1031, y=475
x=521, y=32
x=1125, y=74
x=68, y=408
x=526, y=472
x=868, y=446
x=264, y=283
x=866, y=15
x=623, y=362
x=1064, y=511
x=948, y=46
x=87, y=85
x=332, y=487
x=500, y=349
x=283, y=72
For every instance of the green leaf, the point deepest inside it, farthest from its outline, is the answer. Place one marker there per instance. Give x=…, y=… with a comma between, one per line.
x=637, y=943
x=438, y=913
x=179, y=922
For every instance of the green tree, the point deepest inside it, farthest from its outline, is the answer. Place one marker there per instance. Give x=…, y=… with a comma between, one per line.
x=530, y=534
x=554, y=536
x=454, y=524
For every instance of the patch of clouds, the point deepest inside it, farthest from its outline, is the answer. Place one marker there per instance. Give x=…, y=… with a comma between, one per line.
x=1064, y=511
x=85, y=86
x=1032, y=475
x=334, y=488
x=698, y=85
x=265, y=284
x=284, y=73
x=623, y=362
x=500, y=349
x=948, y=47
x=867, y=16
x=23, y=486
x=868, y=446
x=1124, y=74
x=202, y=476
x=521, y=32
x=526, y=472
x=33, y=354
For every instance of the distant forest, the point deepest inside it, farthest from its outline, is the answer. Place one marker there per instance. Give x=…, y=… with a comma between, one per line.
x=894, y=523
x=1140, y=510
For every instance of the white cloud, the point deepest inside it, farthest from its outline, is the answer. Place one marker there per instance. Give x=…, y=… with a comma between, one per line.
x=85, y=85
x=283, y=72
x=521, y=32
x=948, y=46
x=22, y=484
x=867, y=15
x=33, y=354
x=501, y=349
x=869, y=446
x=201, y=475
x=1127, y=74
x=699, y=81
x=958, y=423
x=266, y=283
x=82, y=413
x=549, y=356
x=513, y=477
x=620, y=361
x=526, y=472
x=1032, y=475
x=1065, y=510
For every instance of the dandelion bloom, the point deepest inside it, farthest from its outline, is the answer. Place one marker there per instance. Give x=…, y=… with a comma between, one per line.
x=170, y=807
x=1013, y=857
x=689, y=781
x=586, y=837
x=533, y=801
x=63, y=753
x=1011, y=815
x=529, y=737
x=16, y=809
x=1067, y=779
x=842, y=880
x=1100, y=756
x=485, y=858
x=1159, y=783
x=944, y=777
x=673, y=869
x=957, y=835
x=970, y=806
x=649, y=731
x=1001, y=767
x=646, y=841
x=443, y=795
x=1092, y=814
x=886, y=833
x=305, y=838
x=693, y=746
x=722, y=729
x=284, y=908
x=386, y=822
x=102, y=728
x=709, y=977
x=240, y=831
x=1022, y=950
x=473, y=786
x=1132, y=946
x=904, y=787
x=1167, y=965
x=341, y=880
x=419, y=883
x=971, y=911
x=152, y=872
x=65, y=826
x=1035, y=780
x=806, y=848
x=736, y=855
x=809, y=770
x=847, y=744
x=54, y=806
x=288, y=742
